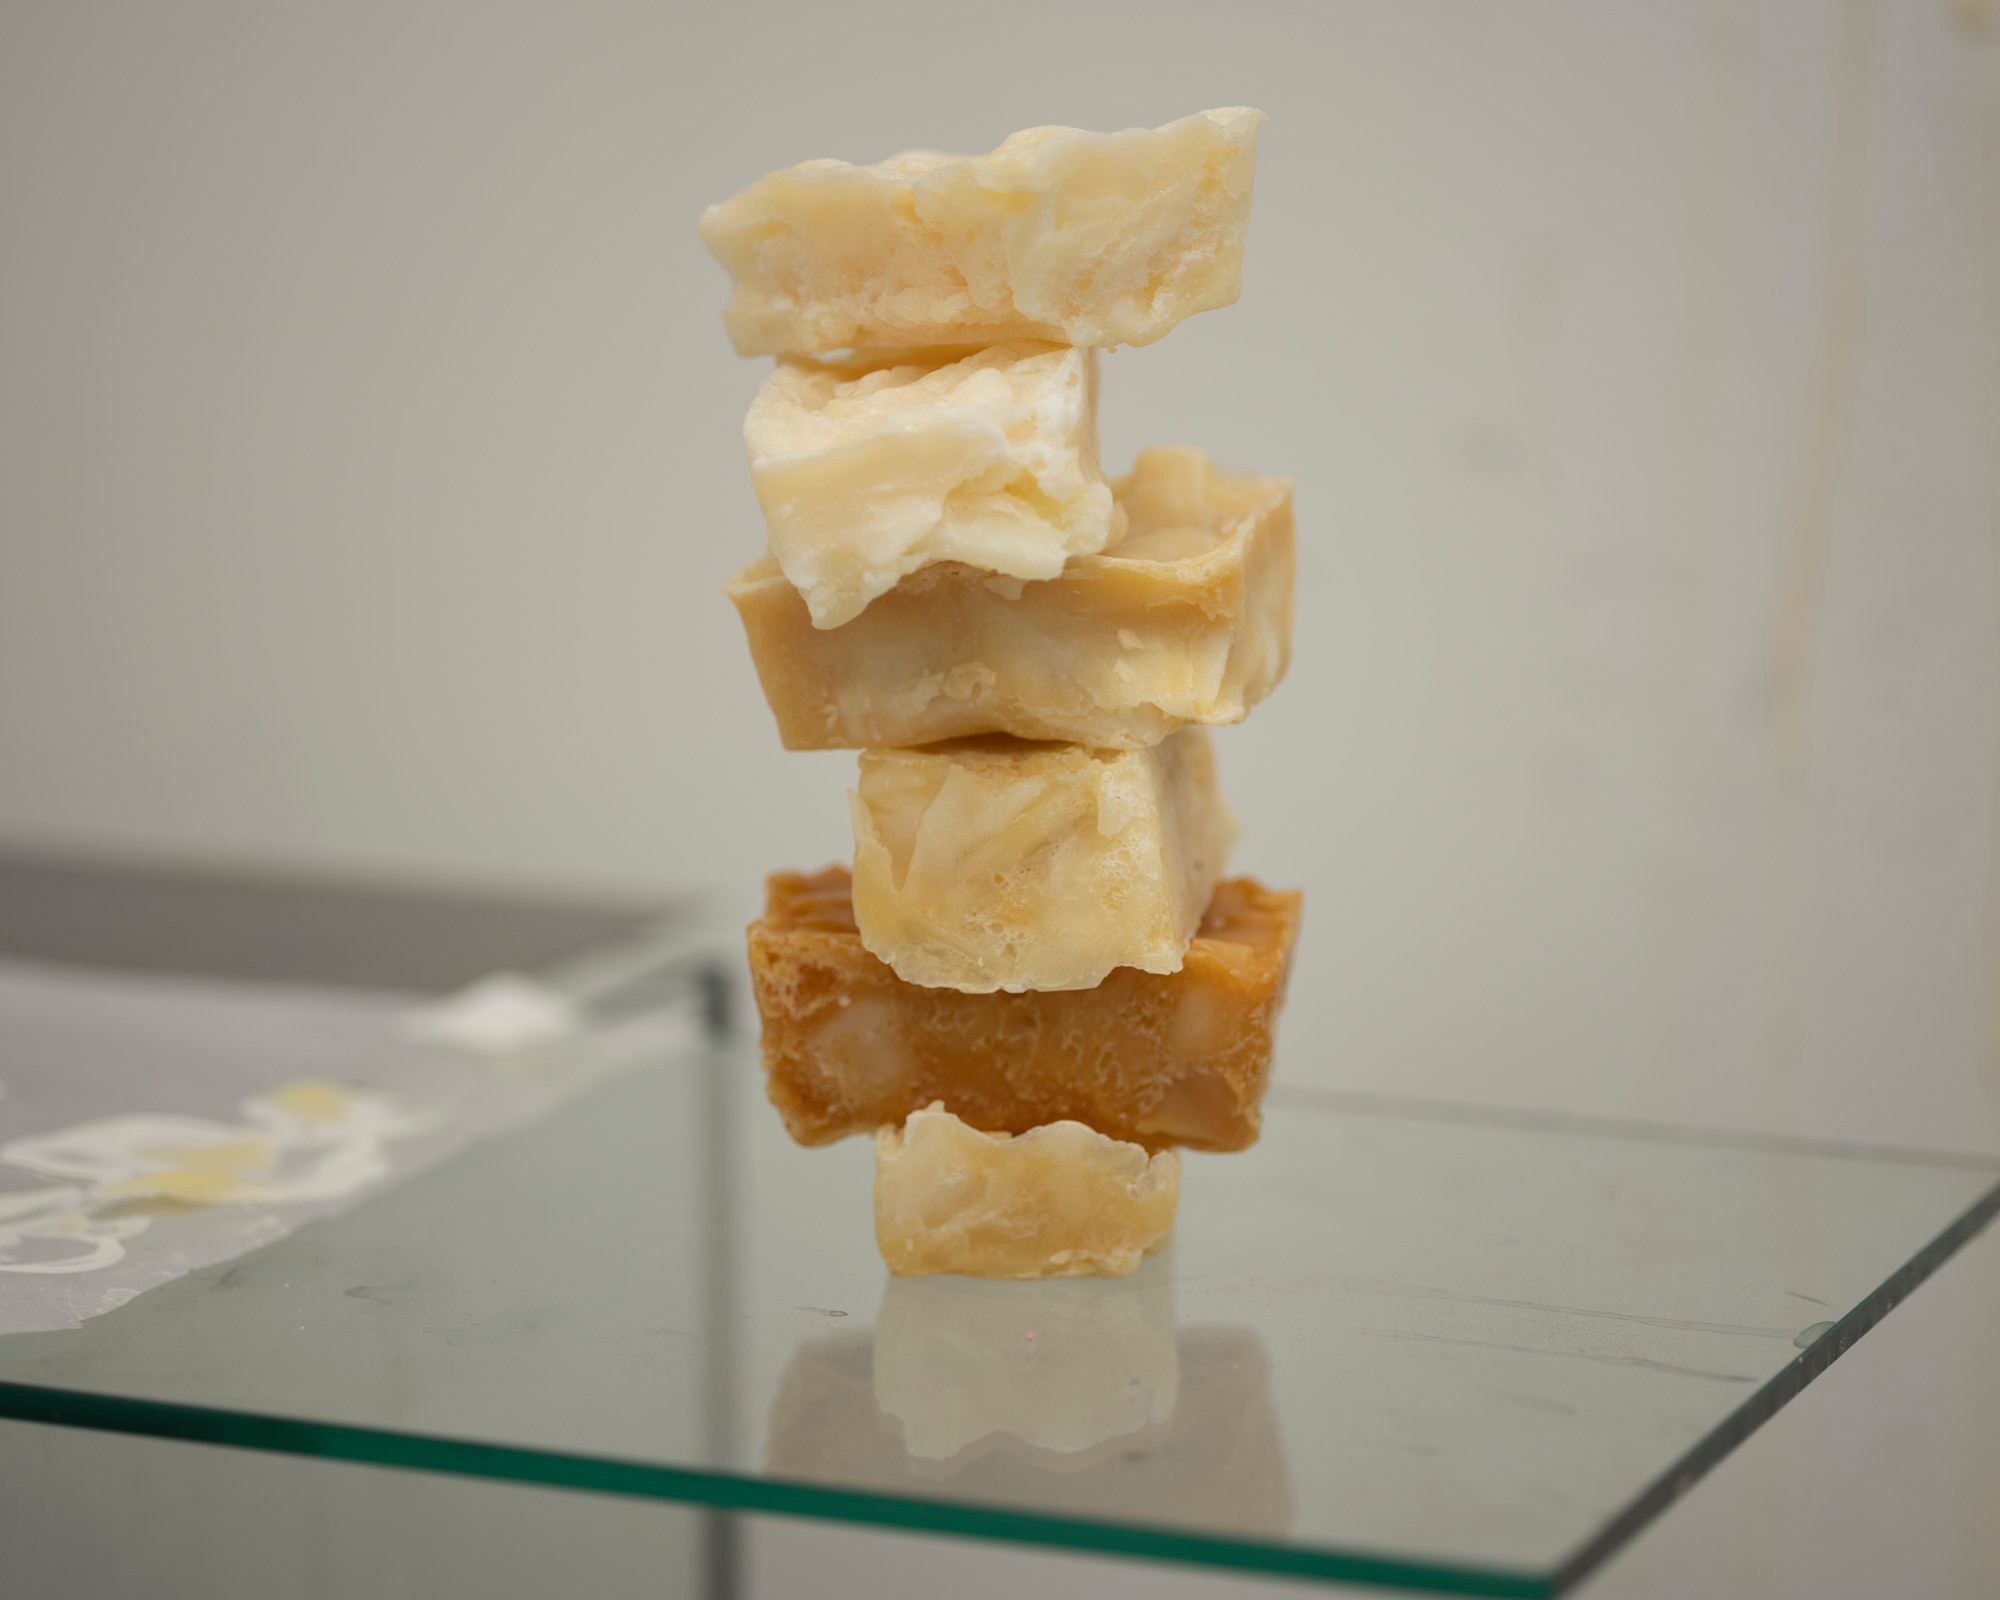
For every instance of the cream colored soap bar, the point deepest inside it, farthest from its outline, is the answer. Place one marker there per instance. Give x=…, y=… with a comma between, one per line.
x=1082, y=238
x=869, y=470
x=1188, y=618
x=1059, y=1201
x=993, y=863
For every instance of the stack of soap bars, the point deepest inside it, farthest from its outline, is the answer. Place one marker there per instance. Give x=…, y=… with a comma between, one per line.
x=1035, y=984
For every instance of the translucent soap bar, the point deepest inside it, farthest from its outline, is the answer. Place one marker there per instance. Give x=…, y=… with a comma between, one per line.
x=1158, y=1059
x=1188, y=618
x=994, y=863
x=870, y=469
x=1080, y=238
x=1060, y=1201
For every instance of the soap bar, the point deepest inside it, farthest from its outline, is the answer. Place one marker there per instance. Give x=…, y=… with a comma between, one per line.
x=1158, y=1059
x=994, y=863
x=1080, y=238
x=870, y=469
x=1060, y=1201
x=1188, y=618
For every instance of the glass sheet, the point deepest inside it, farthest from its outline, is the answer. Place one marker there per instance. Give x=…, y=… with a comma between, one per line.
x=1396, y=1344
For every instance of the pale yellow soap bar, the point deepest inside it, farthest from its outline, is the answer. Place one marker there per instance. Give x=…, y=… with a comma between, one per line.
x=1081, y=238
x=1059, y=1201
x=870, y=469
x=1188, y=618
x=994, y=863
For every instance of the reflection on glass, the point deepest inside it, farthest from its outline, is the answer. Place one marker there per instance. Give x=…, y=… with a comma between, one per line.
x=1054, y=1371
x=1079, y=1396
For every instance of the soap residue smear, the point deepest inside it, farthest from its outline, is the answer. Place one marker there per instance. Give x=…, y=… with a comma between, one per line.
x=307, y=1140
x=52, y=1230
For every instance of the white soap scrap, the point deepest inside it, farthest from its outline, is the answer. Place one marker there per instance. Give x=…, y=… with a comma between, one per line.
x=498, y=1014
x=304, y=1141
x=996, y=864
x=1059, y=1201
x=868, y=469
x=1083, y=238
x=55, y=1230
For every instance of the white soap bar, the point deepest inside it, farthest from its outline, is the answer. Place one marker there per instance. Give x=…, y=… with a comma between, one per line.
x=869, y=469
x=1059, y=1201
x=994, y=863
x=1083, y=238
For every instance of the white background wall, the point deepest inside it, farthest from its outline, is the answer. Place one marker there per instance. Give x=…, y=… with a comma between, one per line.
x=369, y=470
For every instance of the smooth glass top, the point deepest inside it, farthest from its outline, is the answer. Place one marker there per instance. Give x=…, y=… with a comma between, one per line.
x=1396, y=1344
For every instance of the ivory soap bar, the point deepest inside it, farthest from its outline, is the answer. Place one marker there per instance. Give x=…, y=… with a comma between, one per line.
x=993, y=863
x=1060, y=1201
x=869, y=470
x=1080, y=238
x=1188, y=618
x=1159, y=1059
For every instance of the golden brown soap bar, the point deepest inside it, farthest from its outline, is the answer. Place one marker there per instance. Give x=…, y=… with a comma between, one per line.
x=1157, y=1059
x=1187, y=618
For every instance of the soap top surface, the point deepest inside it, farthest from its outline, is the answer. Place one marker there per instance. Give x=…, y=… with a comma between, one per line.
x=1180, y=512
x=1259, y=923
x=1082, y=238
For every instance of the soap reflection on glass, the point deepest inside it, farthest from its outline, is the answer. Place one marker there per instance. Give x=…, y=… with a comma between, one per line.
x=1079, y=1396
x=967, y=1366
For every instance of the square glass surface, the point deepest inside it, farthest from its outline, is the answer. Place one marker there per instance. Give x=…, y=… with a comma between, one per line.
x=1397, y=1344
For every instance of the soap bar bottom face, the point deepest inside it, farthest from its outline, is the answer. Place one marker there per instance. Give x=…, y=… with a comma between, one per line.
x=1157, y=1059
x=1059, y=1201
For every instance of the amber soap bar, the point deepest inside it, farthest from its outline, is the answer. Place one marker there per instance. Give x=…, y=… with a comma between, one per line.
x=994, y=863
x=1187, y=619
x=1079, y=238
x=1156, y=1059
x=870, y=469
x=1060, y=1201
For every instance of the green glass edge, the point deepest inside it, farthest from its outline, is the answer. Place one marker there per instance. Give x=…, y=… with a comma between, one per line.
x=613, y=1475
x=1774, y=1395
